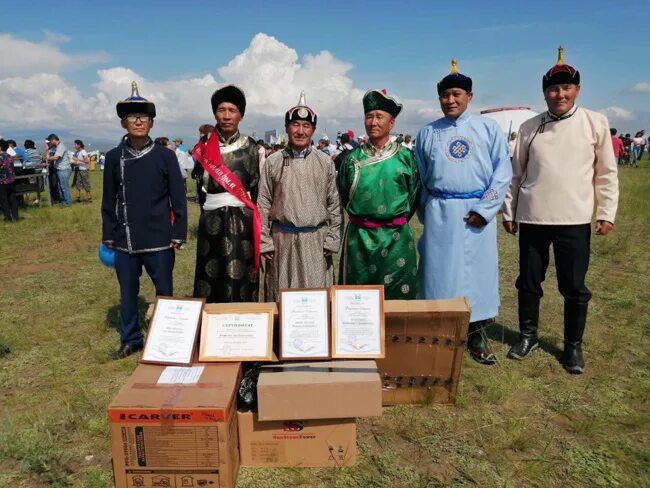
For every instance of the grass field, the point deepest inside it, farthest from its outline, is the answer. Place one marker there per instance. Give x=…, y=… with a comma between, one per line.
x=516, y=424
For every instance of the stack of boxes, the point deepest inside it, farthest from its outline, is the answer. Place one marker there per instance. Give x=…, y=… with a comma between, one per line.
x=187, y=432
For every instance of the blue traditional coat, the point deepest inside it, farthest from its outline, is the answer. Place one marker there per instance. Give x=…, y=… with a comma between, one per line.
x=464, y=166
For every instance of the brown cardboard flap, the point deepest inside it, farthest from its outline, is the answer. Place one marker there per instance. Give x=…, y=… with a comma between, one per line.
x=215, y=389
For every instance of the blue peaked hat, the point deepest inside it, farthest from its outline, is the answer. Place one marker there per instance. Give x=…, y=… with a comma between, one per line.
x=135, y=104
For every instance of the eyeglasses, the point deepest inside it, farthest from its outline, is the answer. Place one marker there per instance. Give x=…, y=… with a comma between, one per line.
x=136, y=117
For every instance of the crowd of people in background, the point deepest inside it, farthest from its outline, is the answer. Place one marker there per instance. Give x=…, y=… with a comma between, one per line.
x=629, y=150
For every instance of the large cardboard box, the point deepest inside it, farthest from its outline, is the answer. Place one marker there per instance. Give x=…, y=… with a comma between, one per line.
x=320, y=443
x=319, y=390
x=176, y=435
x=425, y=342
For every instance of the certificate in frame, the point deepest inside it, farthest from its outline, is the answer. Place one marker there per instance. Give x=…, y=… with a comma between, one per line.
x=235, y=334
x=358, y=321
x=173, y=331
x=304, y=324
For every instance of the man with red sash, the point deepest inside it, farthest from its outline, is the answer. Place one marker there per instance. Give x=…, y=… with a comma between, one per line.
x=300, y=210
x=379, y=182
x=144, y=214
x=227, y=251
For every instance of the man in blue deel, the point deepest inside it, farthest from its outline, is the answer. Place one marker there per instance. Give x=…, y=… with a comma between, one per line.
x=144, y=214
x=465, y=172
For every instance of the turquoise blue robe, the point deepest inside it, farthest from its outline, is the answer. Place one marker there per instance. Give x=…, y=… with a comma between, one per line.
x=464, y=166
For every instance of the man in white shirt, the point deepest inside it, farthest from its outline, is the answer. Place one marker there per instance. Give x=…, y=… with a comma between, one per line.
x=563, y=164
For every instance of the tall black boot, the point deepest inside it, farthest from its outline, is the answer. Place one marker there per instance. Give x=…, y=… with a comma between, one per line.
x=528, y=325
x=477, y=343
x=575, y=319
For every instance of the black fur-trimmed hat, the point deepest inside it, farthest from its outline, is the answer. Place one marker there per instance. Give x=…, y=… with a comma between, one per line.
x=231, y=94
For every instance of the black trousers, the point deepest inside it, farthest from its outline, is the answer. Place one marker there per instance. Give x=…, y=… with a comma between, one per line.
x=571, y=246
x=8, y=201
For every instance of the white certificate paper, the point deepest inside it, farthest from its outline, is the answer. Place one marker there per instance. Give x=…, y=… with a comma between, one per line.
x=357, y=323
x=173, y=331
x=305, y=324
x=236, y=336
x=180, y=375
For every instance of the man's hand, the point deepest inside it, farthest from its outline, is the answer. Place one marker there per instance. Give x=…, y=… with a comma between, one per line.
x=603, y=227
x=109, y=244
x=327, y=253
x=268, y=255
x=475, y=220
x=510, y=227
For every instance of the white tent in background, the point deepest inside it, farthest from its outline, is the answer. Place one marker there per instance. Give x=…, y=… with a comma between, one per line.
x=509, y=118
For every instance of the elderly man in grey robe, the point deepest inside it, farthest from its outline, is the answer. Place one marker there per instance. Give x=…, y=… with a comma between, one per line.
x=300, y=209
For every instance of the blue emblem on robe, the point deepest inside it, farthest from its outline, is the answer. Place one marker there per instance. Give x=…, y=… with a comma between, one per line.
x=459, y=148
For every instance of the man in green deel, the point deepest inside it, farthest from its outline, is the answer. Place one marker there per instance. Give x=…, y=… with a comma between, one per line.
x=378, y=183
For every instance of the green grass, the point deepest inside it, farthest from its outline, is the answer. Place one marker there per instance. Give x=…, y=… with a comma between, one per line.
x=517, y=424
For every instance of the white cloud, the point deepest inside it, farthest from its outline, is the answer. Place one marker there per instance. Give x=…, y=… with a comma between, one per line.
x=270, y=72
x=24, y=58
x=617, y=114
x=641, y=87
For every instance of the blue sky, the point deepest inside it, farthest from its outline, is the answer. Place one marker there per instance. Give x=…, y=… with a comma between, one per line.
x=402, y=46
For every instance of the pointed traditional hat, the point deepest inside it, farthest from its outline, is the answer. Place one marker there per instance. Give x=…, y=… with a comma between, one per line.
x=135, y=104
x=560, y=73
x=301, y=112
x=379, y=100
x=231, y=94
x=455, y=80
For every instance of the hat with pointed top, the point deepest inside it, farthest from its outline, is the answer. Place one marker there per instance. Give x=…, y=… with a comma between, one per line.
x=135, y=104
x=560, y=73
x=301, y=112
x=231, y=94
x=379, y=100
x=455, y=80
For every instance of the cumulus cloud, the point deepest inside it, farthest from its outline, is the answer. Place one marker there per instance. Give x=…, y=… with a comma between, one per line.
x=617, y=114
x=271, y=73
x=23, y=58
x=641, y=87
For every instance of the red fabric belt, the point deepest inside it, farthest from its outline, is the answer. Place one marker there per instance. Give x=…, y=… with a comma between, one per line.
x=376, y=224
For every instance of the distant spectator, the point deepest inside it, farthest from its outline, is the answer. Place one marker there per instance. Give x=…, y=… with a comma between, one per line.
x=8, y=200
x=512, y=143
x=617, y=144
x=61, y=162
x=19, y=154
x=637, y=147
x=81, y=163
x=261, y=153
x=324, y=146
x=408, y=142
x=34, y=158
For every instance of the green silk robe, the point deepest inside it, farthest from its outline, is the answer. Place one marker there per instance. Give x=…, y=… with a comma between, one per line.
x=379, y=186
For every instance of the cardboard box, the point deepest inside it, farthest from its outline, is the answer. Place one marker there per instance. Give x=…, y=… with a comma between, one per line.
x=425, y=342
x=324, y=443
x=176, y=435
x=319, y=390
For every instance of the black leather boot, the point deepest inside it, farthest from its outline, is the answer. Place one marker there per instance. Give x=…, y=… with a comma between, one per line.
x=575, y=319
x=528, y=325
x=477, y=343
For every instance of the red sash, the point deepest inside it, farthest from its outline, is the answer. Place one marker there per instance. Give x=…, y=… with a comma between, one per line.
x=209, y=155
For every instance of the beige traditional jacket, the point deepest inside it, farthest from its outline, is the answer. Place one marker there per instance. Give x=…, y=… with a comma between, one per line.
x=562, y=168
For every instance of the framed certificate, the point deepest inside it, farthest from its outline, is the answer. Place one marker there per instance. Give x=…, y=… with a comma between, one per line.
x=304, y=324
x=173, y=331
x=237, y=335
x=358, y=321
